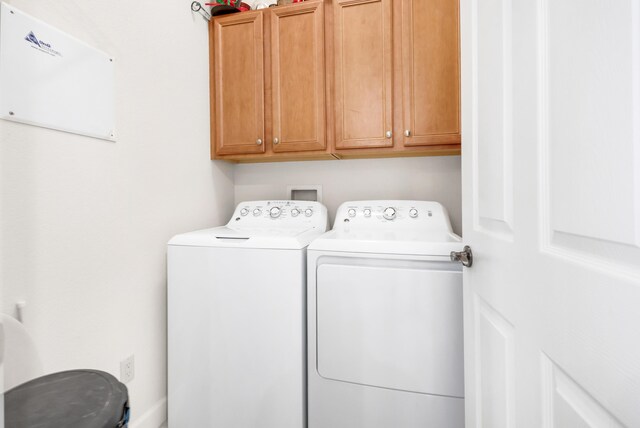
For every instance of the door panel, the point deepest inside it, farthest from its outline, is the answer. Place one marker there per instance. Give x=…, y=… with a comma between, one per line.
x=391, y=328
x=298, y=70
x=431, y=76
x=491, y=109
x=566, y=404
x=551, y=207
x=603, y=224
x=239, y=84
x=364, y=73
x=494, y=377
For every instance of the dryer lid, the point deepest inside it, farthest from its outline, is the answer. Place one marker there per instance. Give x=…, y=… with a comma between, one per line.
x=378, y=242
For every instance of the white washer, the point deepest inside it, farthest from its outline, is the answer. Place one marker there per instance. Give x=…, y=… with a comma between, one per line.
x=236, y=318
x=384, y=308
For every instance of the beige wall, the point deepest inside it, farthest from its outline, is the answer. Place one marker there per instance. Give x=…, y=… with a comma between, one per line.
x=84, y=222
x=427, y=178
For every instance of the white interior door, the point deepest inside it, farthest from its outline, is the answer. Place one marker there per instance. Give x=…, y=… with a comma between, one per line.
x=551, y=197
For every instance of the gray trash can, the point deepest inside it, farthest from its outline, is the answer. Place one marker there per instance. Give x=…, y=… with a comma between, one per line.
x=75, y=398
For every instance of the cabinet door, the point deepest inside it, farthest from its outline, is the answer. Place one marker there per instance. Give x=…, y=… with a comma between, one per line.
x=298, y=78
x=364, y=73
x=239, y=84
x=431, y=76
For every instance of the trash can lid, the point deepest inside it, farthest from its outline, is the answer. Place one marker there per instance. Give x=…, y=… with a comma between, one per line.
x=75, y=398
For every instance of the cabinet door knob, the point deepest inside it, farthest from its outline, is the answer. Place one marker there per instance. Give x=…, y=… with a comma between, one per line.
x=276, y=141
x=259, y=142
x=407, y=133
x=389, y=134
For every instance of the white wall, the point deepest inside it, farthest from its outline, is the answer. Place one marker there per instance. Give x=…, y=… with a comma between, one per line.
x=84, y=222
x=426, y=178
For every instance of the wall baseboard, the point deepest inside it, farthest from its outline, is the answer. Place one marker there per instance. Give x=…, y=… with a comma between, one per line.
x=152, y=418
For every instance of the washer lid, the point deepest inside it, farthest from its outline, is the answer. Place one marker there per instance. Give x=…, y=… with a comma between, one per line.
x=391, y=227
x=263, y=224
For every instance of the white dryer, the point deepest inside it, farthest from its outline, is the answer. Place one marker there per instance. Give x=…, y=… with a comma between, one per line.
x=236, y=318
x=384, y=308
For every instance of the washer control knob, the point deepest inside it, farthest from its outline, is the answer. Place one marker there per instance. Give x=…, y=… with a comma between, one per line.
x=367, y=212
x=295, y=212
x=413, y=213
x=244, y=212
x=308, y=212
x=274, y=212
x=351, y=212
x=389, y=213
x=257, y=212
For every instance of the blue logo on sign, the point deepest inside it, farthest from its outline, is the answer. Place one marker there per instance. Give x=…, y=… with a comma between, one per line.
x=41, y=45
x=32, y=38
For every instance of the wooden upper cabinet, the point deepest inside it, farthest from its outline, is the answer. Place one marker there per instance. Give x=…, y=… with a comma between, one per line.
x=238, y=84
x=431, y=72
x=298, y=78
x=363, y=73
x=336, y=79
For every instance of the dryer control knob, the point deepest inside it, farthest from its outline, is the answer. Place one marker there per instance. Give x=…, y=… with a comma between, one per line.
x=244, y=212
x=367, y=212
x=257, y=212
x=351, y=212
x=295, y=212
x=308, y=212
x=413, y=213
x=274, y=212
x=389, y=213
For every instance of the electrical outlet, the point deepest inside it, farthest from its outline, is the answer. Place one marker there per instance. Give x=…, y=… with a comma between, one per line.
x=127, y=370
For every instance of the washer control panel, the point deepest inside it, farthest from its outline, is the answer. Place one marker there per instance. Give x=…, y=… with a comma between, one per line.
x=391, y=214
x=283, y=213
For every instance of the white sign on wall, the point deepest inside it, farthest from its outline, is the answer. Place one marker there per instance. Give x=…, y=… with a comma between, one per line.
x=50, y=79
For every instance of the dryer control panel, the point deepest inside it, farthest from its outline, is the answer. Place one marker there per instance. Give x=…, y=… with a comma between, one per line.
x=279, y=213
x=392, y=214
